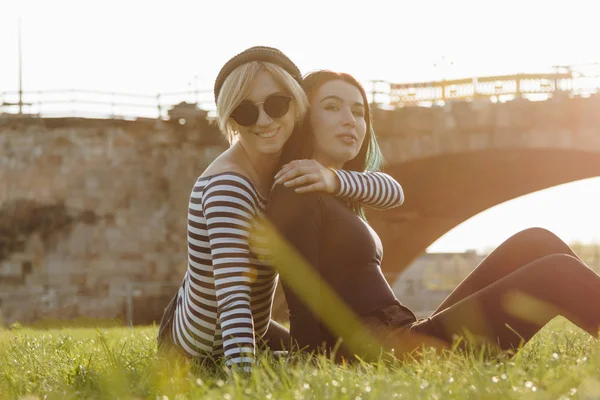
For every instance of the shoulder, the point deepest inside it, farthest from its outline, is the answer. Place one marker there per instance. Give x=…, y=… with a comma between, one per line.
x=229, y=187
x=284, y=203
x=223, y=167
x=286, y=196
x=234, y=180
x=225, y=162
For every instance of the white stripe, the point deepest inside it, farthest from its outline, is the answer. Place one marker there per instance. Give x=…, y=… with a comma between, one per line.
x=228, y=313
x=241, y=302
x=199, y=289
x=230, y=177
x=228, y=220
x=195, y=207
x=232, y=270
x=199, y=231
x=239, y=288
x=217, y=262
x=196, y=219
x=233, y=331
x=380, y=190
x=244, y=203
x=202, y=278
x=226, y=323
x=228, y=231
x=199, y=310
x=199, y=243
x=343, y=182
x=198, y=254
x=240, y=360
x=229, y=240
x=239, y=350
x=222, y=183
x=236, y=211
x=191, y=328
x=198, y=266
x=231, y=249
x=233, y=279
x=196, y=297
x=198, y=321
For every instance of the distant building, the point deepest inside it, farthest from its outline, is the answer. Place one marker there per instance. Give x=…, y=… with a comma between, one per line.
x=188, y=113
x=431, y=277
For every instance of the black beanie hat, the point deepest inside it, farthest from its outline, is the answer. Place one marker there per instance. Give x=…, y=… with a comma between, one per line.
x=257, y=53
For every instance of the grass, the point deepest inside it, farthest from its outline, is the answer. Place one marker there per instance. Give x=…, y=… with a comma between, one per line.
x=106, y=363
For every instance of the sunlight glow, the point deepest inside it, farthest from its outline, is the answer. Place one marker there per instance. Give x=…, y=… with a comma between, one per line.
x=159, y=46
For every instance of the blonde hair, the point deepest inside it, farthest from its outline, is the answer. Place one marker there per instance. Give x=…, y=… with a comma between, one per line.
x=237, y=87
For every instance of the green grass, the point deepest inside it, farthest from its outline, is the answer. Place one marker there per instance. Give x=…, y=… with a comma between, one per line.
x=561, y=362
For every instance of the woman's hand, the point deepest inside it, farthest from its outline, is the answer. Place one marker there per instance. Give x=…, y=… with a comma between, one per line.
x=308, y=176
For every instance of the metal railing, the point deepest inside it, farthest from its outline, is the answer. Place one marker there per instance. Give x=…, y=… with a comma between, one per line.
x=583, y=80
x=573, y=80
x=99, y=104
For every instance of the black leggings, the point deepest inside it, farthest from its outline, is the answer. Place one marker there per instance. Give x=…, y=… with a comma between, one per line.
x=276, y=338
x=527, y=281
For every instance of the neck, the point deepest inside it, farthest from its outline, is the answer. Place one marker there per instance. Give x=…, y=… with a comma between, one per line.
x=262, y=167
x=327, y=162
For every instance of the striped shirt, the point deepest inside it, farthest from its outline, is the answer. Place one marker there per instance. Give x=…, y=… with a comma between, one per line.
x=375, y=189
x=225, y=300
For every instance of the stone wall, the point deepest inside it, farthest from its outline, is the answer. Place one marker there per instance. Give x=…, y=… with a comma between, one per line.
x=93, y=214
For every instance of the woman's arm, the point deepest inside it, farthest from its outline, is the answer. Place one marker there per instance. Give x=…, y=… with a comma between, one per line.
x=229, y=208
x=374, y=189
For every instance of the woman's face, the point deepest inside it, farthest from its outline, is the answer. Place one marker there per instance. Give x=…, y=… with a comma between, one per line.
x=268, y=134
x=337, y=117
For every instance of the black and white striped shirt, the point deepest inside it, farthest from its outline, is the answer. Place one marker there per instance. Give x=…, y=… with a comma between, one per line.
x=226, y=297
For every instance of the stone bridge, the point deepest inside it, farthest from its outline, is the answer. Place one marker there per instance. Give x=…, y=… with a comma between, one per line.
x=92, y=211
x=461, y=159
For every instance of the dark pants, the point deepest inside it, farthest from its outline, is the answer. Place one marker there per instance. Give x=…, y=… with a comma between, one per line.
x=527, y=281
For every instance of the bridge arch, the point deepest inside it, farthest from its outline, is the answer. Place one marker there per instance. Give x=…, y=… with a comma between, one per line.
x=445, y=190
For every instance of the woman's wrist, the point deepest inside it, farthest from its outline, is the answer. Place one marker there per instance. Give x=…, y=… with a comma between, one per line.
x=337, y=183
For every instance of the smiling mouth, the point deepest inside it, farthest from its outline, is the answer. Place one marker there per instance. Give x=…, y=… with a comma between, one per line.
x=267, y=134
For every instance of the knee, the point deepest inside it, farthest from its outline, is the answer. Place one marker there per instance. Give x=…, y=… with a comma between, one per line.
x=537, y=233
x=559, y=263
x=541, y=236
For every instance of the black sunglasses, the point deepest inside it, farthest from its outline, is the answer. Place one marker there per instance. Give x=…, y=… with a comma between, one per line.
x=275, y=105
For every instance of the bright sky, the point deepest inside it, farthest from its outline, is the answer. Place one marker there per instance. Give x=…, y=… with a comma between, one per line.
x=168, y=46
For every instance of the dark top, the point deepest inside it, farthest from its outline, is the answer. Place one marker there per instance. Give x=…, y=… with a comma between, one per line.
x=343, y=249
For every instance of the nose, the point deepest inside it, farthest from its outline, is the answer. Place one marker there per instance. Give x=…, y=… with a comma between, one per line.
x=348, y=117
x=263, y=118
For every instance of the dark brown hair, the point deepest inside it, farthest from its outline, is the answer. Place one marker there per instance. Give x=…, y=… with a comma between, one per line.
x=300, y=145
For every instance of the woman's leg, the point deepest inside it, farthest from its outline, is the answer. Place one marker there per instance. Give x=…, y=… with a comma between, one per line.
x=517, y=251
x=511, y=310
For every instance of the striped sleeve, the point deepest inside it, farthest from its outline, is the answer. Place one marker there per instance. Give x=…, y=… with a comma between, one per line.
x=229, y=207
x=375, y=189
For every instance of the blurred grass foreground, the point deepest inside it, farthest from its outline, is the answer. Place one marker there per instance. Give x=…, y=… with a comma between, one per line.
x=561, y=362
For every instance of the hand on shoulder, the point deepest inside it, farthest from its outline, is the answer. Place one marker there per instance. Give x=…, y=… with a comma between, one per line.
x=307, y=176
